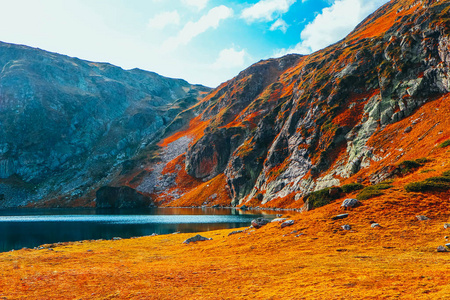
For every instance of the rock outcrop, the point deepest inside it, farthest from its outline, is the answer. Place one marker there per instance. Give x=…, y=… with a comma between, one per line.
x=289, y=126
x=121, y=197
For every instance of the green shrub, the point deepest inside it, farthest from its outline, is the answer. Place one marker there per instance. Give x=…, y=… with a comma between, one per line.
x=373, y=191
x=368, y=193
x=351, y=187
x=444, y=144
x=323, y=197
x=427, y=186
x=407, y=166
x=437, y=183
x=438, y=179
x=446, y=173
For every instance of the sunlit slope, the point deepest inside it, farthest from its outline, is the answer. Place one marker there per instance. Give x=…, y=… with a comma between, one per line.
x=286, y=127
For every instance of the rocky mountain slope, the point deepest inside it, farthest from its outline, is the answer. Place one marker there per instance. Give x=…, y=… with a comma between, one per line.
x=67, y=125
x=286, y=127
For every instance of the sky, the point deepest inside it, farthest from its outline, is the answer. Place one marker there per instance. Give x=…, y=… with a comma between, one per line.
x=202, y=41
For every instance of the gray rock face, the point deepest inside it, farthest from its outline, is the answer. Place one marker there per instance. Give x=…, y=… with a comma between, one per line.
x=66, y=123
x=197, y=238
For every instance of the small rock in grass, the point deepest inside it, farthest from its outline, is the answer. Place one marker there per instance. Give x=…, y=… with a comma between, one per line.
x=447, y=245
x=346, y=227
x=287, y=223
x=116, y=238
x=154, y=234
x=422, y=218
x=375, y=225
x=446, y=225
x=408, y=129
x=349, y=203
x=260, y=222
x=338, y=217
x=197, y=238
x=278, y=220
x=235, y=232
x=441, y=249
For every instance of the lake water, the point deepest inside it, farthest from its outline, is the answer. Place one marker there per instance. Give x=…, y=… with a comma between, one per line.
x=33, y=227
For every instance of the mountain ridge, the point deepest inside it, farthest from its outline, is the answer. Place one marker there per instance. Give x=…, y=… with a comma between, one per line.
x=308, y=126
x=67, y=124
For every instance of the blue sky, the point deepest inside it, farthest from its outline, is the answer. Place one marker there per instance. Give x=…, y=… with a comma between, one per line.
x=202, y=41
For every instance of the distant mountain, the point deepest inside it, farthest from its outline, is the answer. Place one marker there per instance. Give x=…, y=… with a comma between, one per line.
x=286, y=127
x=67, y=125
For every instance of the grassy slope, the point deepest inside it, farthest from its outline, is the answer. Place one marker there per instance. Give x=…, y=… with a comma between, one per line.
x=398, y=260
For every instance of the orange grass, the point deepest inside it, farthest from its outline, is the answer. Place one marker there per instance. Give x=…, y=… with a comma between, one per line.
x=398, y=260
x=195, y=131
x=212, y=192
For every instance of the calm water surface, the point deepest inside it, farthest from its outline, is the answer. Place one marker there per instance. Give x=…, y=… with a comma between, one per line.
x=34, y=227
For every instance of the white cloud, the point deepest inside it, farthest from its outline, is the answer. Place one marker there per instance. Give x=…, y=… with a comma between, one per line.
x=332, y=24
x=160, y=21
x=266, y=10
x=199, y=4
x=279, y=24
x=193, y=29
x=230, y=58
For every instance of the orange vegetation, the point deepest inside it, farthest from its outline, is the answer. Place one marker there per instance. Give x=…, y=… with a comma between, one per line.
x=194, y=131
x=313, y=259
x=381, y=24
x=212, y=192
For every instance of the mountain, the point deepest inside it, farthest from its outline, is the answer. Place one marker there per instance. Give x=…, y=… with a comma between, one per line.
x=286, y=127
x=68, y=125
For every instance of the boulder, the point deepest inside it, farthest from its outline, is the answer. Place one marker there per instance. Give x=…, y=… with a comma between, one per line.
x=442, y=249
x=338, y=217
x=260, y=222
x=349, y=203
x=279, y=220
x=375, y=225
x=244, y=207
x=197, y=238
x=287, y=223
x=407, y=129
x=422, y=218
x=446, y=225
x=346, y=227
x=121, y=197
x=235, y=232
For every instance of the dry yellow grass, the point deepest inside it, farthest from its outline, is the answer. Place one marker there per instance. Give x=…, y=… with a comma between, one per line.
x=398, y=260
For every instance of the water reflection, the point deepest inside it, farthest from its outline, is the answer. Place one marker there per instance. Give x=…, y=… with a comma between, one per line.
x=30, y=228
